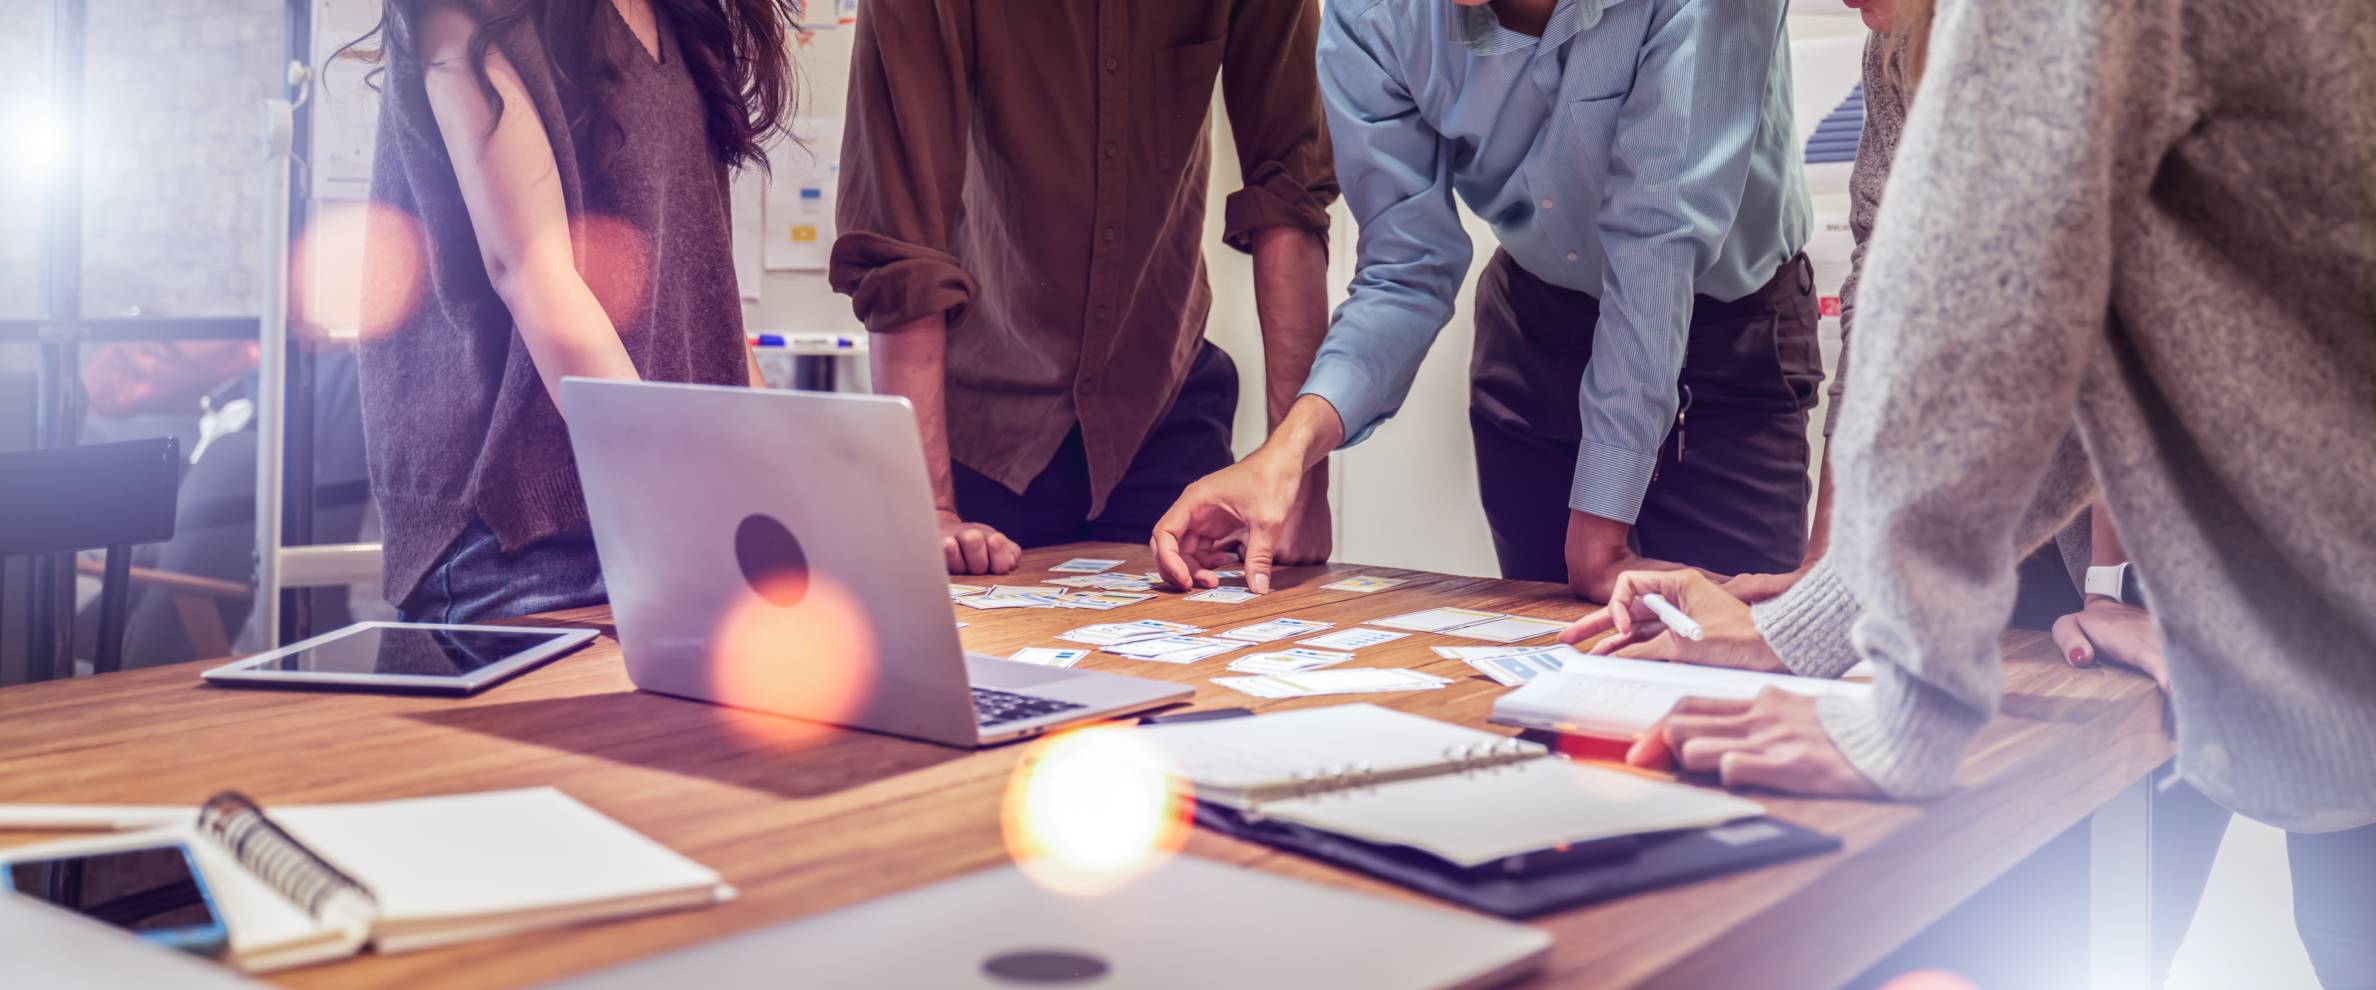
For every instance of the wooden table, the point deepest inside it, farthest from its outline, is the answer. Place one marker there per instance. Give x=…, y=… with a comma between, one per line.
x=805, y=819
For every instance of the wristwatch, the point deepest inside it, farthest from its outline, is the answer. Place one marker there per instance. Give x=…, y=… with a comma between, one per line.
x=2117, y=582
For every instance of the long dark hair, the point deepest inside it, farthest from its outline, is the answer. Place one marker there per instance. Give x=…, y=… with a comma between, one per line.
x=737, y=52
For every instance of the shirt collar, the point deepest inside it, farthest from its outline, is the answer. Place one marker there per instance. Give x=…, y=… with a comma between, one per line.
x=1484, y=34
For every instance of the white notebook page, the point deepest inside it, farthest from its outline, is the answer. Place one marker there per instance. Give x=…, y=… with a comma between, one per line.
x=1619, y=698
x=476, y=857
x=1485, y=815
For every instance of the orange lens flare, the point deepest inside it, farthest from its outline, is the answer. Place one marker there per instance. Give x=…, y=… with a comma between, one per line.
x=1930, y=979
x=816, y=658
x=616, y=261
x=1090, y=809
x=358, y=269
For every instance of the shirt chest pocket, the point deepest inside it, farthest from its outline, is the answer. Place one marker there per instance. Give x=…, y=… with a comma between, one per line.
x=1571, y=166
x=1176, y=99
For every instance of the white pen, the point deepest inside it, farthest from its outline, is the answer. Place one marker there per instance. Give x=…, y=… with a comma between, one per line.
x=1673, y=617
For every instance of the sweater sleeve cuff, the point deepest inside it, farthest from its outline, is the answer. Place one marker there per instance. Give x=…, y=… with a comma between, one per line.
x=1808, y=625
x=892, y=283
x=1904, y=736
x=1273, y=198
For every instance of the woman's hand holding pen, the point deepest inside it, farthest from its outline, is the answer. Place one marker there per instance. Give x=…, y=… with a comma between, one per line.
x=1633, y=629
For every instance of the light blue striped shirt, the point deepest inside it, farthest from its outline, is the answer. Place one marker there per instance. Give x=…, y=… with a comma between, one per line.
x=1640, y=150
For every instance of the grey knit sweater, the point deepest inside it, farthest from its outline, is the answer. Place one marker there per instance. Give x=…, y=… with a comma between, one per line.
x=2151, y=219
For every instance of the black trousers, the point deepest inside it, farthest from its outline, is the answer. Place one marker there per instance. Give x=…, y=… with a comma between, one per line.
x=1189, y=442
x=1731, y=489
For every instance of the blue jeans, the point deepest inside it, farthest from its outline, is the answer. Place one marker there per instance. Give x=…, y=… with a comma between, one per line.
x=474, y=580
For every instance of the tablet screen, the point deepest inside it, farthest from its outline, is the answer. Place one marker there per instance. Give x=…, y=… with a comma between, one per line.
x=401, y=652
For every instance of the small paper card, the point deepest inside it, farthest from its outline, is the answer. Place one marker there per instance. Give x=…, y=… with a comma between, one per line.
x=1012, y=590
x=1226, y=596
x=1048, y=656
x=1508, y=629
x=1352, y=639
x=1104, y=600
x=1287, y=661
x=1355, y=681
x=1275, y=629
x=1364, y=584
x=1437, y=619
x=1514, y=669
x=1174, y=649
x=1110, y=633
x=1008, y=601
x=1086, y=565
x=965, y=590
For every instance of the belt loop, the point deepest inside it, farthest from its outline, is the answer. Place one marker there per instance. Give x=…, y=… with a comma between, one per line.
x=1806, y=267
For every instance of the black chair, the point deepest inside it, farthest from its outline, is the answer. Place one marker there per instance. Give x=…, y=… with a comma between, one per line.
x=103, y=496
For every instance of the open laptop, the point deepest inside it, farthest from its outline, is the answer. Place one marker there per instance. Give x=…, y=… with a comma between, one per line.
x=805, y=517
x=1188, y=923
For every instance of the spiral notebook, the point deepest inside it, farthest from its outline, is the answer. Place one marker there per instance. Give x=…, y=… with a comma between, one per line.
x=308, y=884
x=1466, y=797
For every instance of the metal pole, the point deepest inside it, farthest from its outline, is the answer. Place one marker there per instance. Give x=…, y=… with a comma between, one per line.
x=50, y=579
x=298, y=521
x=272, y=312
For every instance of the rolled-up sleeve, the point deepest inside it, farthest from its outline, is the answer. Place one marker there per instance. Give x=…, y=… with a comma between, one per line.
x=1677, y=171
x=1412, y=252
x=903, y=163
x=1273, y=99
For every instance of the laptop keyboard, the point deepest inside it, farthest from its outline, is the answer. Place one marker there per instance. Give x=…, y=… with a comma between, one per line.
x=1000, y=707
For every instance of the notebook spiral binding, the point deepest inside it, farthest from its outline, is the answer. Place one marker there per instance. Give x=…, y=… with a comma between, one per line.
x=1471, y=758
x=282, y=862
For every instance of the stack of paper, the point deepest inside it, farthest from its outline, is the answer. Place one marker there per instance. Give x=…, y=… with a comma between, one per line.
x=1364, y=680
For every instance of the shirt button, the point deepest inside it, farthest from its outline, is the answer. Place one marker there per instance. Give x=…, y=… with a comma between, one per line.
x=1546, y=204
x=1106, y=235
x=1112, y=64
x=1102, y=313
x=1571, y=256
x=1112, y=149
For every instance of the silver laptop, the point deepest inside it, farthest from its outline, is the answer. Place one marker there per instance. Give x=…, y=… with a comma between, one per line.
x=1190, y=923
x=777, y=551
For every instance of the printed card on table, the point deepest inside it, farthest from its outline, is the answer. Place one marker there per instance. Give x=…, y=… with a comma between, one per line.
x=1508, y=629
x=1225, y=596
x=1352, y=639
x=1048, y=656
x=1275, y=629
x=1086, y=565
x=1437, y=619
x=1363, y=584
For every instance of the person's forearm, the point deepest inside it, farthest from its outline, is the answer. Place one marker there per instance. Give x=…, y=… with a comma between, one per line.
x=751, y=360
x=911, y=362
x=564, y=326
x=1291, y=300
x=1306, y=435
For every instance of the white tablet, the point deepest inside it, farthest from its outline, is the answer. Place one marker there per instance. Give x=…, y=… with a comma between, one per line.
x=408, y=657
